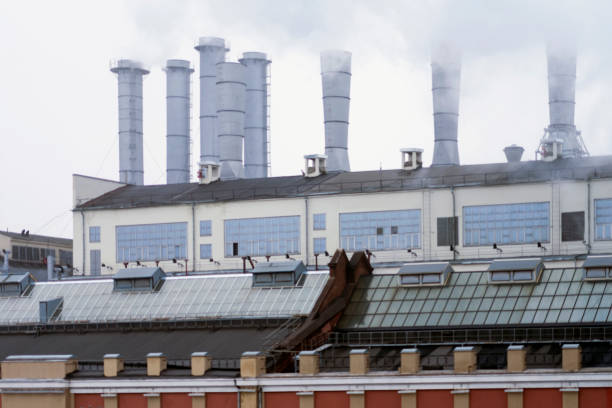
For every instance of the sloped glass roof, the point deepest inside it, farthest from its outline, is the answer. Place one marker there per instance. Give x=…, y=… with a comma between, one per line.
x=180, y=298
x=561, y=297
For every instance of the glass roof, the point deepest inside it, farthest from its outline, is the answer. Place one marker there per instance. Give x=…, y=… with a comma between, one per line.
x=561, y=297
x=180, y=298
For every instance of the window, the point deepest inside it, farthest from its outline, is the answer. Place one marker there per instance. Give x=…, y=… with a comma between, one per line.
x=284, y=277
x=421, y=279
x=318, y=222
x=263, y=278
x=380, y=230
x=95, y=263
x=94, y=234
x=65, y=257
x=431, y=278
x=596, y=273
x=205, y=251
x=500, y=276
x=448, y=233
x=262, y=236
x=506, y=224
x=522, y=275
x=572, y=226
x=603, y=219
x=410, y=279
x=512, y=276
x=205, y=228
x=319, y=245
x=151, y=242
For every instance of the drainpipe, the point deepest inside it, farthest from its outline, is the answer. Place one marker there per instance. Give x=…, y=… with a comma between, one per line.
x=83, y=236
x=588, y=242
x=193, y=228
x=307, y=231
x=452, y=190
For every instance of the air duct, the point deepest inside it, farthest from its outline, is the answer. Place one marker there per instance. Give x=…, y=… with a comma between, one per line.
x=562, y=100
x=129, y=75
x=445, y=81
x=256, y=160
x=212, y=51
x=231, y=99
x=336, y=81
x=178, y=74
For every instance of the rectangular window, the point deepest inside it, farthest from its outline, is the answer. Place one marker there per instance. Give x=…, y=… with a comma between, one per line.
x=95, y=262
x=525, y=223
x=319, y=245
x=262, y=236
x=500, y=276
x=380, y=230
x=318, y=222
x=448, y=233
x=94, y=234
x=595, y=273
x=151, y=242
x=65, y=257
x=572, y=226
x=410, y=279
x=522, y=275
x=431, y=278
x=205, y=251
x=205, y=228
x=603, y=219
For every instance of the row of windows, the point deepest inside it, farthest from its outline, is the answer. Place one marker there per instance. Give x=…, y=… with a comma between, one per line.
x=151, y=242
x=262, y=236
x=380, y=230
x=23, y=253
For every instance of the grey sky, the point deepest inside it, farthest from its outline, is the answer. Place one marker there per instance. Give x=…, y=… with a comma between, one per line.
x=58, y=105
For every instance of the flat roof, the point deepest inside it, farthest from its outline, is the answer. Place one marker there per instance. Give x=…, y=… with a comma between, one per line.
x=132, y=196
x=38, y=239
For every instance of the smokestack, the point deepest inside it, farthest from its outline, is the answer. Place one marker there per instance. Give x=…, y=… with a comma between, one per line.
x=336, y=81
x=178, y=74
x=212, y=51
x=129, y=76
x=562, y=99
x=445, y=81
x=256, y=160
x=231, y=99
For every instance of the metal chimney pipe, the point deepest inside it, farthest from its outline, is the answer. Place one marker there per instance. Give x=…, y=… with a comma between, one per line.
x=178, y=74
x=445, y=80
x=50, y=267
x=256, y=160
x=562, y=98
x=5, y=262
x=129, y=75
x=336, y=81
x=212, y=51
x=231, y=100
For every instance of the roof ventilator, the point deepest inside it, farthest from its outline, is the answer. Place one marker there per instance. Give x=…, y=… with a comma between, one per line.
x=425, y=274
x=15, y=285
x=209, y=172
x=598, y=267
x=316, y=165
x=515, y=271
x=50, y=310
x=138, y=279
x=412, y=158
x=274, y=274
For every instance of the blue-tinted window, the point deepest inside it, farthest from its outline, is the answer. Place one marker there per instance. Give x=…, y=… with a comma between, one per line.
x=380, y=230
x=205, y=228
x=506, y=224
x=205, y=251
x=94, y=234
x=95, y=262
x=262, y=236
x=319, y=245
x=151, y=242
x=603, y=219
x=318, y=222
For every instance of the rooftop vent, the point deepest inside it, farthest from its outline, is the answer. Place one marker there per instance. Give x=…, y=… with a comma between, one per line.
x=515, y=270
x=513, y=153
x=425, y=274
x=50, y=310
x=15, y=285
x=598, y=267
x=209, y=172
x=138, y=279
x=269, y=274
x=316, y=165
x=412, y=158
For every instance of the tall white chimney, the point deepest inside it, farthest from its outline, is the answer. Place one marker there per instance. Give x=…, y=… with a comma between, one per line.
x=256, y=160
x=336, y=81
x=129, y=75
x=178, y=137
x=231, y=99
x=212, y=51
x=445, y=81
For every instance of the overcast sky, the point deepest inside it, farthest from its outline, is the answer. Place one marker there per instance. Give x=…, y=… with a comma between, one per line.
x=58, y=100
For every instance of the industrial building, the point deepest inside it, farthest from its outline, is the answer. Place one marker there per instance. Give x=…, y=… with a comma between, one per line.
x=454, y=285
